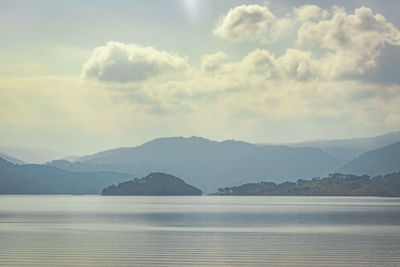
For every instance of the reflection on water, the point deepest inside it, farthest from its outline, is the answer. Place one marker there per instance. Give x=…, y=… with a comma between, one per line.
x=214, y=231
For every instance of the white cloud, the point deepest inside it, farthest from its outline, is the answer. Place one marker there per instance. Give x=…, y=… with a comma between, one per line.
x=213, y=62
x=259, y=58
x=244, y=22
x=259, y=61
x=299, y=86
x=119, y=62
x=310, y=12
x=342, y=45
x=353, y=41
x=278, y=28
x=293, y=64
x=298, y=64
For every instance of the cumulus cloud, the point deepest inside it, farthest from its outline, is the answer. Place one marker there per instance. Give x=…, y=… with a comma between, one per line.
x=278, y=28
x=342, y=45
x=259, y=61
x=294, y=64
x=244, y=22
x=298, y=64
x=353, y=41
x=213, y=62
x=299, y=82
x=119, y=62
x=310, y=12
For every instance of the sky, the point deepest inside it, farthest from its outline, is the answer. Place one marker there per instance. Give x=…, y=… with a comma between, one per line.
x=84, y=76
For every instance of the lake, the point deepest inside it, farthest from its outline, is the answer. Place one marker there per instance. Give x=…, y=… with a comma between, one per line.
x=199, y=231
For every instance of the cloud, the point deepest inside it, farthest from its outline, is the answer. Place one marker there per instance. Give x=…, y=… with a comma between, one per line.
x=330, y=44
x=278, y=28
x=298, y=64
x=259, y=61
x=244, y=22
x=119, y=62
x=294, y=64
x=213, y=62
x=313, y=81
x=310, y=12
x=353, y=41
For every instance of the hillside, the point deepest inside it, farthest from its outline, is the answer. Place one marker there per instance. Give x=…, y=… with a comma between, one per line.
x=375, y=162
x=40, y=179
x=155, y=184
x=348, y=149
x=11, y=159
x=210, y=164
x=335, y=185
x=30, y=155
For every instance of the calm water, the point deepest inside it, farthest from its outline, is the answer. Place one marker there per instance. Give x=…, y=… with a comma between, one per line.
x=213, y=231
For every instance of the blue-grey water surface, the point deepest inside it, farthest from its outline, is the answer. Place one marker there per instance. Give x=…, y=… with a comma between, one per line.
x=199, y=231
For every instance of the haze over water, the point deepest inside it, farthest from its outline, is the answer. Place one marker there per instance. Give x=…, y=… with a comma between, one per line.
x=206, y=231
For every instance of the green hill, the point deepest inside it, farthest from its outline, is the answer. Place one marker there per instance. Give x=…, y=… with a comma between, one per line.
x=335, y=185
x=155, y=184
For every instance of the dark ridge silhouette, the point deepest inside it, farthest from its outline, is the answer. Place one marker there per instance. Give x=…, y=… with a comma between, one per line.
x=335, y=185
x=41, y=179
x=155, y=184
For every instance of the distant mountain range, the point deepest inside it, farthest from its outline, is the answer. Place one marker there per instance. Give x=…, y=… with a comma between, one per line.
x=30, y=155
x=209, y=164
x=375, y=162
x=348, y=149
x=40, y=179
x=11, y=159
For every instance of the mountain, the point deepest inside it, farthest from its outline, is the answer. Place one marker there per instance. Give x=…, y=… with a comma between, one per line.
x=210, y=164
x=348, y=149
x=40, y=179
x=30, y=155
x=335, y=185
x=79, y=166
x=155, y=184
x=375, y=162
x=11, y=159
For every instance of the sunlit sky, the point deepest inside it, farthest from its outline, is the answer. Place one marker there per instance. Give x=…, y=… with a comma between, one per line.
x=84, y=76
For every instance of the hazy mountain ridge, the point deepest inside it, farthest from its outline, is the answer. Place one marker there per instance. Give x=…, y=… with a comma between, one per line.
x=79, y=166
x=349, y=149
x=210, y=164
x=30, y=155
x=375, y=162
x=42, y=179
x=11, y=159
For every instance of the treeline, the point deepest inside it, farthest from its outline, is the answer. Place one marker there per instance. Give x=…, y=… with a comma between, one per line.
x=336, y=184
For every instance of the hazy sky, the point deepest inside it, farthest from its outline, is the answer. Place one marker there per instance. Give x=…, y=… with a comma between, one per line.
x=83, y=76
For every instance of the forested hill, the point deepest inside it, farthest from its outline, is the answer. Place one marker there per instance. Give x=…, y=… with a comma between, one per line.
x=154, y=184
x=335, y=185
